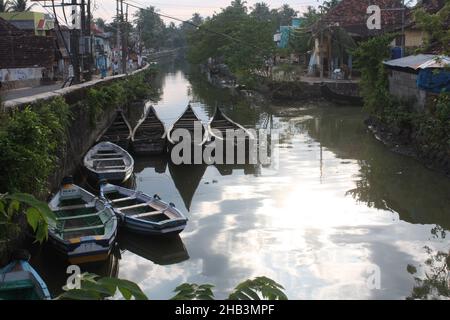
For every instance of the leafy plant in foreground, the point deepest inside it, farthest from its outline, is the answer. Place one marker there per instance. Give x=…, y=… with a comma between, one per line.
x=92, y=287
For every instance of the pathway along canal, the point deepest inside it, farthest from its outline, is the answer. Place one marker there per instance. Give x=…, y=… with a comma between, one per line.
x=338, y=208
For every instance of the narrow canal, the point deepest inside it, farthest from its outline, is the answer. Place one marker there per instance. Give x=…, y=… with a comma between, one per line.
x=332, y=211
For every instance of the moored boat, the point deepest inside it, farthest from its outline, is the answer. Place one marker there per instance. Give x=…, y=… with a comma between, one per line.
x=85, y=228
x=340, y=99
x=190, y=122
x=19, y=281
x=149, y=136
x=119, y=132
x=107, y=160
x=141, y=213
x=220, y=124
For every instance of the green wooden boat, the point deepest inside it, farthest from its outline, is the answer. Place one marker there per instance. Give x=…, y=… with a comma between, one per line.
x=19, y=281
x=85, y=228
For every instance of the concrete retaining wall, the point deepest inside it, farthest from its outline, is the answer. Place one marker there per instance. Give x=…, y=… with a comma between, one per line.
x=81, y=135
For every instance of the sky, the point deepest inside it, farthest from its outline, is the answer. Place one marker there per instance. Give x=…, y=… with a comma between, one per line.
x=182, y=9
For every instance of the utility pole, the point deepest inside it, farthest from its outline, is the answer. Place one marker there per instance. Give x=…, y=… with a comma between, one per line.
x=124, y=48
x=75, y=44
x=89, y=35
x=118, y=30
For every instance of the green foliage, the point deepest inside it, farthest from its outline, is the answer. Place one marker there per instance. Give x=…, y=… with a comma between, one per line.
x=95, y=288
x=241, y=40
x=29, y=140
x=257, y=288
x=374, y=83
x=436, y=25
x=192, y=291
x=38, y=216
x=254, y=289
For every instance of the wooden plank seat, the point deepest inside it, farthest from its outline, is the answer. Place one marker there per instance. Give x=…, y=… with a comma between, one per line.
x=140, y=205
x=110, y=168
x=83, y=228
x=108, y=159
x=145, y=214
x=78, y=217
x=76, y=207
x=123, y=199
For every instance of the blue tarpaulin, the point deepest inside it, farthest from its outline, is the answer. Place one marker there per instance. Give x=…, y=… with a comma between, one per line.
x=434, y=80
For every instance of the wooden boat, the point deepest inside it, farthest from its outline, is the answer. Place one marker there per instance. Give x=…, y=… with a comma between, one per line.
x=19, y=281
x=160, y=250
x=149, y=136
x=107, y=160
x=340, y=99
x=85, y=228
x=220, y=124
x=141, y=213
x=119, y=132
x=188, y=120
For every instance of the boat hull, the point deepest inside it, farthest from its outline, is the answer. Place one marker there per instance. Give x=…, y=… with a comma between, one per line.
x=83, y=250
x=116, y=177
x=150, y=147
x=20, y=281
x=143, y=228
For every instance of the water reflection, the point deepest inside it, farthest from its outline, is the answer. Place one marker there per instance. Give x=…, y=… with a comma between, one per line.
x=338, y=206
x=162, y=251
x=54, y=271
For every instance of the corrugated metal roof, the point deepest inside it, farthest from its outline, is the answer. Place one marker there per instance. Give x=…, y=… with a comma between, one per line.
x=420, y=61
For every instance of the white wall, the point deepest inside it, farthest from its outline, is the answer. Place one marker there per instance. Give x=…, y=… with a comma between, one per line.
x=20, y=74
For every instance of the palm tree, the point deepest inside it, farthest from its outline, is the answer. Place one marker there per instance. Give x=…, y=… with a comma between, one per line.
x=4, y=5
x=20, y=6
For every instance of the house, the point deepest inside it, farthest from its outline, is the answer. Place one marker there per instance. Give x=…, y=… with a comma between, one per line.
x=418, y=78
x=36, y=23
x=282, y=36
x=103, y=53
x=25, y=59
x=415, y=37
x=343, y=26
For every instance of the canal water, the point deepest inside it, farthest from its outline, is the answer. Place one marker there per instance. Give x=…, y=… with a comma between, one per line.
x=335, y=216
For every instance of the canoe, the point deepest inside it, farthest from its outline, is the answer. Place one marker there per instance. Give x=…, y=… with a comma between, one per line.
x=141, y=213
x=160, y=250
x=188, y=121
x=19, y=281
x=149, y=136
x=220, y=124
x=107, y=160
x=85, y=228
x=119, y=132
x=341, y=99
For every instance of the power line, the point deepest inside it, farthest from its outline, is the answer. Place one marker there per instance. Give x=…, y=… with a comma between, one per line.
x=199, y=27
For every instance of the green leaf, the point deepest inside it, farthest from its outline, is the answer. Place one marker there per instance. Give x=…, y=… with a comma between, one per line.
x=33, y=217
x=13, y=207
x=79, y=294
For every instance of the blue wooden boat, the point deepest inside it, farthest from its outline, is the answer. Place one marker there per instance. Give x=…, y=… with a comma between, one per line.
x=19, y=281
x=141, y=213
x=85, y=228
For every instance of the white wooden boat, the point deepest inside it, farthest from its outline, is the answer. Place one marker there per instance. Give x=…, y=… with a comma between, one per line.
x=85, y=228
x=108, y=161
x=142, y=213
